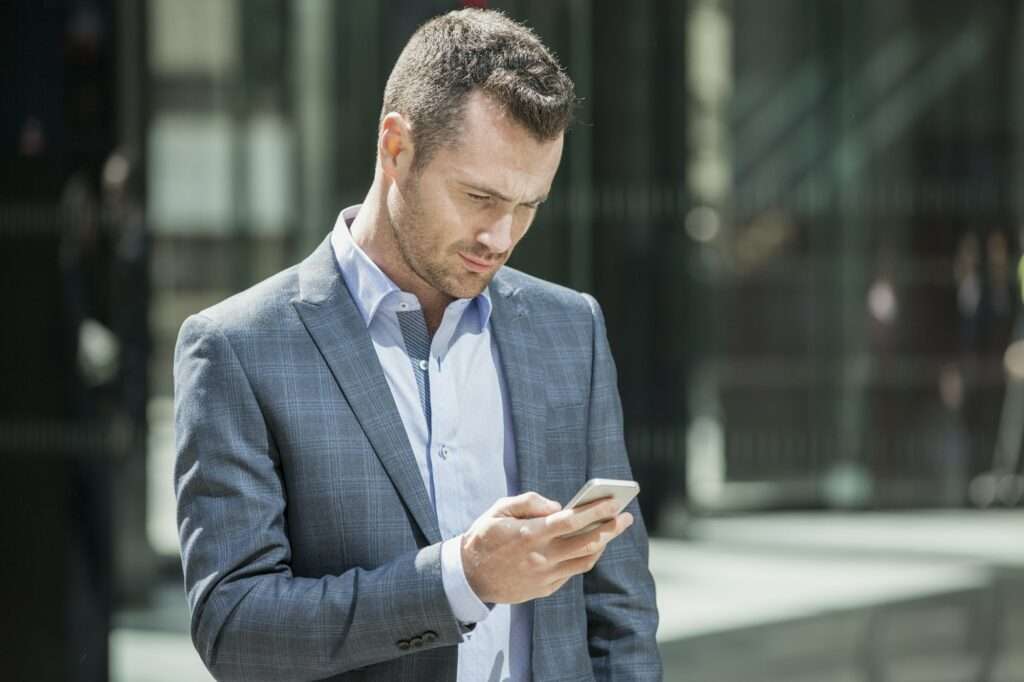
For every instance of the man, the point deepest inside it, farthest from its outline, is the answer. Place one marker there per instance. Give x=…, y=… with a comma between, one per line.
x=374, y=445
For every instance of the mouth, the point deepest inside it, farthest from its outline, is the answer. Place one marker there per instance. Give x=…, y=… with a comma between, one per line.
x=475, y=264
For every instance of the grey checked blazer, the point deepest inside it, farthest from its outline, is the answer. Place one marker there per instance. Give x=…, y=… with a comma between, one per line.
x=308, y=542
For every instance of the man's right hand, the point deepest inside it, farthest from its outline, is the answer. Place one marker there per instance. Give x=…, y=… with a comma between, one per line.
x=516, y=550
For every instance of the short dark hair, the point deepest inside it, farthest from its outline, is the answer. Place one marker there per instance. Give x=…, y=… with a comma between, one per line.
x=452, y=55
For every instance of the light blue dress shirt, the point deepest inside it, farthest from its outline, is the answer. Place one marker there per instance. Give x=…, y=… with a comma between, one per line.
x=466, y=454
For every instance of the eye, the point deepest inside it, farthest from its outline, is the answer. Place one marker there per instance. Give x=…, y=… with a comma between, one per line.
x=477, y=197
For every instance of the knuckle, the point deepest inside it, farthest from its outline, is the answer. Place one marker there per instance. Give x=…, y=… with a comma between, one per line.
x=559, y=524
x=535, y=560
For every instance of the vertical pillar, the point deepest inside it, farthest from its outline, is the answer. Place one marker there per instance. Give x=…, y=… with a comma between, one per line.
x=135, y=562
x=313, y=62
x=849, y=483
x=581, y=213
x=709, y=75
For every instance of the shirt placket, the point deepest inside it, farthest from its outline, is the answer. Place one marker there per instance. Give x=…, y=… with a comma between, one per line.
x=444, y=446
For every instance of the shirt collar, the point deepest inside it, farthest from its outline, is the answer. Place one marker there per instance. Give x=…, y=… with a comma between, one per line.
x=483, y=306
x=368, y=283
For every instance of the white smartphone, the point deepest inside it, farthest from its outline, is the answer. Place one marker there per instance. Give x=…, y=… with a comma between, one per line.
x=598, y=488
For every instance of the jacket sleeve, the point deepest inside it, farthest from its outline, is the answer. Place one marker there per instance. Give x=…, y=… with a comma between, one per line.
x=251, y=619
x=622, y=617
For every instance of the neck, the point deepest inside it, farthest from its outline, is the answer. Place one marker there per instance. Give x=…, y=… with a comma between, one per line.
x=373, y=232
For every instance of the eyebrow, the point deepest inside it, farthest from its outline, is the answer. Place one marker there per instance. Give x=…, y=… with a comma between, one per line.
x=493, y=192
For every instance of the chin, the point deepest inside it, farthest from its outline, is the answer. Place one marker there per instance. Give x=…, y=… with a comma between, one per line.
x=466, y=292
x=471, y=288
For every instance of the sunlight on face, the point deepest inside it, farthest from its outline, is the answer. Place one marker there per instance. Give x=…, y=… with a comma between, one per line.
x=458, y=219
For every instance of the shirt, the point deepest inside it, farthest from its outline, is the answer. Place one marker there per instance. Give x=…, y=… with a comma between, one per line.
x=468, y=441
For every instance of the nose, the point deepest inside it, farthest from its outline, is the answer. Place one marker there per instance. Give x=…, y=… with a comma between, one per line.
x=497, y=237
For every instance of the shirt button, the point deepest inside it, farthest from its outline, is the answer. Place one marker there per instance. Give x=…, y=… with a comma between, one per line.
x=429, y=637
x=423, y=365
x=444, y=452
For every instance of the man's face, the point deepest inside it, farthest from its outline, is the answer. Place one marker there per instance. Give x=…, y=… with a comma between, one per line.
x=457, y=219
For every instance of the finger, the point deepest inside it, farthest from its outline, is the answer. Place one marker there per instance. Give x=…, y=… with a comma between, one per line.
x=571, y=520
x=591, y=542
x=525, y=506
x=570, y=567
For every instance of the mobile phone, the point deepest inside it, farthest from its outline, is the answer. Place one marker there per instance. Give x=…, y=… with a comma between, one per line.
x=598, y=488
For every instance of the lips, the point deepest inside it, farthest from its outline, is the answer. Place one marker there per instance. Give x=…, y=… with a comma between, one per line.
x=475, y=264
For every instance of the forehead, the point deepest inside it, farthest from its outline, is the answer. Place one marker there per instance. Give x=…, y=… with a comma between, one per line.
x=494, y=148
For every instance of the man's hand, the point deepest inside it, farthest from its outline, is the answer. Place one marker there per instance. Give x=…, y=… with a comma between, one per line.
x=516, y=551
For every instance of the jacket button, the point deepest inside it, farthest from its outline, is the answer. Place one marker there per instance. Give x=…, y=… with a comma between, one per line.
x=403, y=644
x=429, y=637
x=417, y=642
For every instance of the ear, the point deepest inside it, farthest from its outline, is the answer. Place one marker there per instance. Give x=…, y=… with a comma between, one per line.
x=394, y=145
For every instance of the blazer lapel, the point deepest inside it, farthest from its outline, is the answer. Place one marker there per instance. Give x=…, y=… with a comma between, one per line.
x=339, y=331
x=524, y=377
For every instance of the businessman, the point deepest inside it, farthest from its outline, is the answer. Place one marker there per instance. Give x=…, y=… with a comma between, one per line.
x=374, y=446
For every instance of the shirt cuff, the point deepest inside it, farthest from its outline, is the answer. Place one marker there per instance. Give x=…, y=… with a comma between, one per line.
x=466, y=606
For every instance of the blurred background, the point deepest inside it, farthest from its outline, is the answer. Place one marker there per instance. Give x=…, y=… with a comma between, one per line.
x=803, y=219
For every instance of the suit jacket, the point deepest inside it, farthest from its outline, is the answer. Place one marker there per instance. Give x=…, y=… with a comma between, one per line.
x=309, y=545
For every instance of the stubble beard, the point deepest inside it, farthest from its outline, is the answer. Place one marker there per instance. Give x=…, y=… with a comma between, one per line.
x=427, y=257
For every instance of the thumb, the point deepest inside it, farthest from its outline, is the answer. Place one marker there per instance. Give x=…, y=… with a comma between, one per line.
x=526, y=506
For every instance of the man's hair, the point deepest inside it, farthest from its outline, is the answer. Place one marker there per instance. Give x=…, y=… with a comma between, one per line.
x=455, y=54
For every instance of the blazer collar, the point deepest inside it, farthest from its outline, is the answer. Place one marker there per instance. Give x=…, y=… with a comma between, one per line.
x=339, y=332
x=519, y=350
